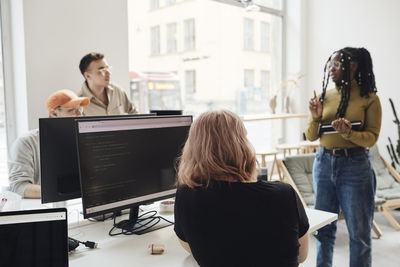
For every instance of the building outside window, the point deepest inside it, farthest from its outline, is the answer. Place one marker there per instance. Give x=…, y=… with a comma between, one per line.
x=171, y=38
x=264, y=37
x=264, y=82
x=154, y=4
x=249, y=82
x=248, y=34
x=189, y=35
x=155, y=40
x=190, y=82
x=215, y=42
x=169, y=2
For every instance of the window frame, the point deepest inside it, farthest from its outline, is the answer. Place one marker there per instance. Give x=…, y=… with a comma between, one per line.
x=154, y=4
x=155, y=42
x=265, y=36
x=248, y=34
x=193, y=84
x=265, y=87
x=171, y=39
x=189, y=39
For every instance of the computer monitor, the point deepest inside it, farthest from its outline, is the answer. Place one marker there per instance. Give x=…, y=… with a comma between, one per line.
x=124, y=163
x=34, y=238
x=166, y=112
x=58, y=158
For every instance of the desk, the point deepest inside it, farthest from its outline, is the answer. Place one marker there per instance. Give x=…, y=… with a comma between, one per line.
x=319, y=218
x=132, y=250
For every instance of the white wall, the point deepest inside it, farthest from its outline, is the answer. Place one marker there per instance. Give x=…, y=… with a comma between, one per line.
x=57, y=34
x=373, y=24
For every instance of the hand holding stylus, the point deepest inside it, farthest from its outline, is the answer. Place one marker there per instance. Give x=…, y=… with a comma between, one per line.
x=315, y=106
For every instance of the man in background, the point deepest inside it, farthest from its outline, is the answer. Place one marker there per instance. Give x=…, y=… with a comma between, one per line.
x=24, y=159
x=105, y=98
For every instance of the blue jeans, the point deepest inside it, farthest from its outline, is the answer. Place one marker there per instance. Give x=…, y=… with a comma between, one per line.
x=347, y=184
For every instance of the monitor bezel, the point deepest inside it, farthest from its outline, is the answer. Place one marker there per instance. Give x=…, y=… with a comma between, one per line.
x=133, y=203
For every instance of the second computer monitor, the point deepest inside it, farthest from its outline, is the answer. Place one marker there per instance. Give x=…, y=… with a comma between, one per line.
x=58, y=158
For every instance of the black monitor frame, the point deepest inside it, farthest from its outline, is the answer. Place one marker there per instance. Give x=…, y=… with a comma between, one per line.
x=38, y=236
x=166, y=112
x=58, y=157
x=130, y=202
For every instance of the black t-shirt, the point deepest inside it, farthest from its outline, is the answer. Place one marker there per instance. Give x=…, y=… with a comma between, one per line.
x=241, y=224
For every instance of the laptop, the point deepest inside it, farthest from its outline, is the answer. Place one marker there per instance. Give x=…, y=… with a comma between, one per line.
x=33, y=238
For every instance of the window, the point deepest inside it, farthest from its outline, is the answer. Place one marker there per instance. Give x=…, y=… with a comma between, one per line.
x=249, y=79
x=169, y=2
x=264, y=36
x=3, y=129
x=248, y=34
x=214, y=61
x=265, y=88
x=190, y=82
x=189, y=35
x=275, y=4
x=154, y=4
x=209, y=54
x=171, y=38
x=155, y=40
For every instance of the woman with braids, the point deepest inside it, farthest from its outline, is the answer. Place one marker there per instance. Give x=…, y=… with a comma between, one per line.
x=343, y=176
x=223, y=215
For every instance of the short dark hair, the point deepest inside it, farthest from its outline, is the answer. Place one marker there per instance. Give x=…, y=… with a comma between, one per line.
x=87, y=59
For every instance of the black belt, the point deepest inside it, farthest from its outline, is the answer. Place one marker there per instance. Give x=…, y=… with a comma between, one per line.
x=343, y=151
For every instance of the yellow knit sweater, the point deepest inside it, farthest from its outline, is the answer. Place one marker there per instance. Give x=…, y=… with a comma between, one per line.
x=367, y=110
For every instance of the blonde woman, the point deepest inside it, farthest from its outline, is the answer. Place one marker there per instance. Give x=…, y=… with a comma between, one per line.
x=223, y=215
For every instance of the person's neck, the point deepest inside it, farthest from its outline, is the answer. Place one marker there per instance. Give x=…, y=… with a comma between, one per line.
x=99, y=92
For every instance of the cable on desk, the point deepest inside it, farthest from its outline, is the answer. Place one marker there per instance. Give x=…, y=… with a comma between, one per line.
x=74, y=243
x=144, y=222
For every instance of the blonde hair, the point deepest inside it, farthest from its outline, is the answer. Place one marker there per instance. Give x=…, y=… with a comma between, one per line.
x=217, y=149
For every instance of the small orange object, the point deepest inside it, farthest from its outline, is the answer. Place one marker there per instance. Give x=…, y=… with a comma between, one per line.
x=156, y=249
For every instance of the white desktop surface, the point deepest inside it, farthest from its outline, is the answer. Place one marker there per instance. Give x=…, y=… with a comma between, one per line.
x=129, y=250
x=132, y=250
x=318, y=219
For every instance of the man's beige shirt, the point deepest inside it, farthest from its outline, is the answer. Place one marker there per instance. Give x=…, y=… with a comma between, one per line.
x=118, y=102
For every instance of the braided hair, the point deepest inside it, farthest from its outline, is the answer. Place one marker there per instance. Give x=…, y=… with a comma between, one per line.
x=364, y=76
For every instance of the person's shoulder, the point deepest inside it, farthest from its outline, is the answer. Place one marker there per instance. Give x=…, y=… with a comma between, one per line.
x=372, y=99
x=184, y=191
x=332, y=91
x=115, y=87
x=117, y=90
x=274, y=187
x=181, y=189
x=85, y=91
x=28, y=138
x=373, y=96
x=31, y=135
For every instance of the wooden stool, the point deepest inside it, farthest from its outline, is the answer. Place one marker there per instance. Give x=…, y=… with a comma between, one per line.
x=273, y=153
x=287, y=148
x=309, y=146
